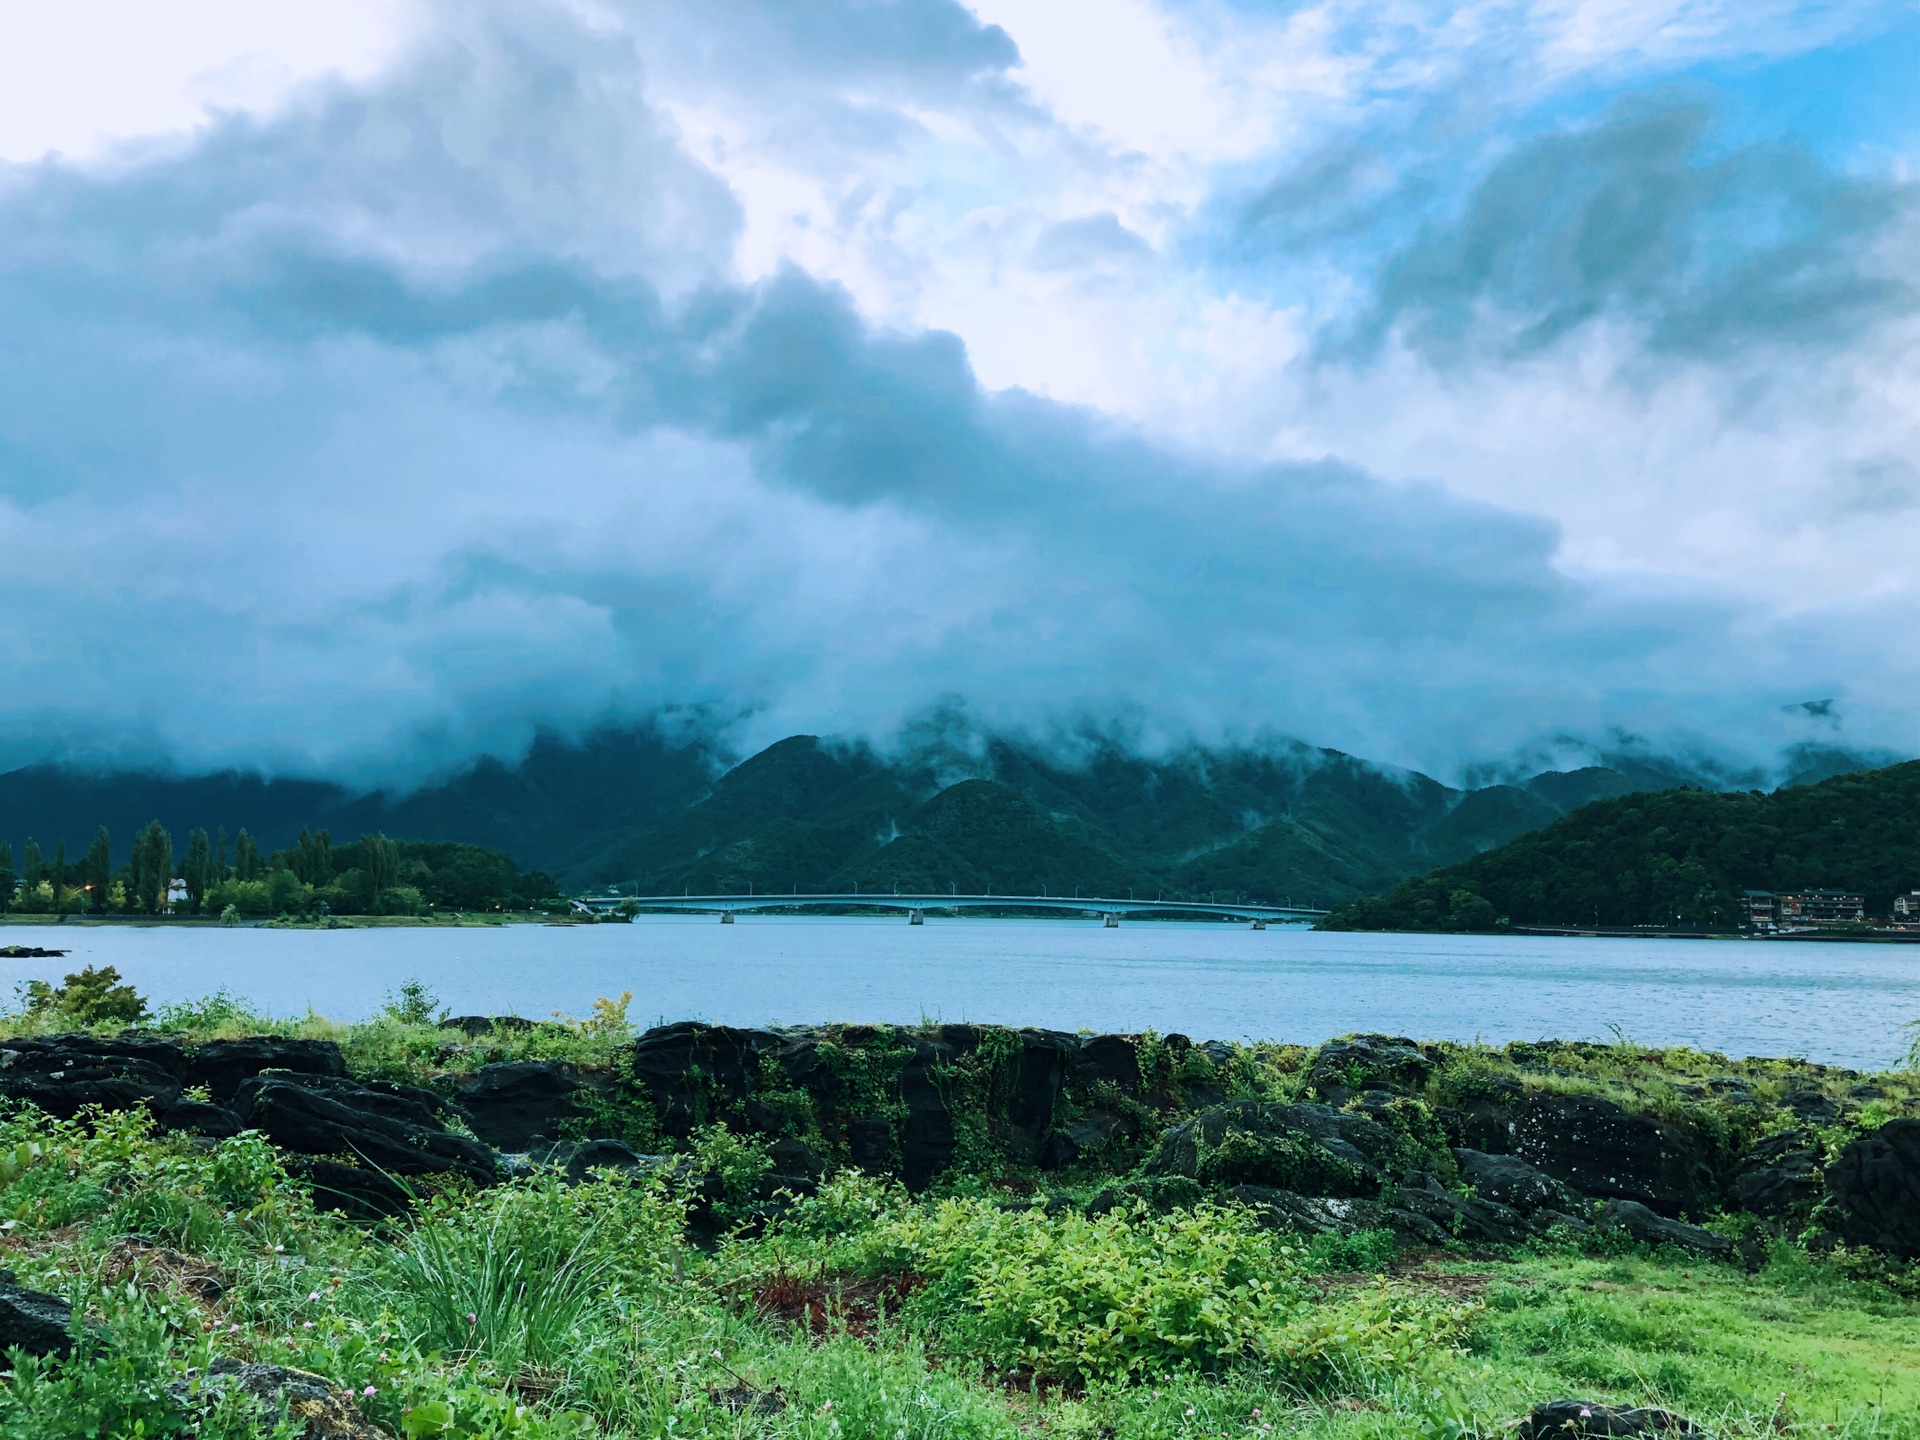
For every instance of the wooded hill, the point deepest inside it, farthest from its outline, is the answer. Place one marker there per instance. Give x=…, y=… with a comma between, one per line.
x=665, y=812
x=1673, y=858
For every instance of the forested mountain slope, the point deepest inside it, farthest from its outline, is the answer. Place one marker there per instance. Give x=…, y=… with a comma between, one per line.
x=1674, y=857
x=663, y=810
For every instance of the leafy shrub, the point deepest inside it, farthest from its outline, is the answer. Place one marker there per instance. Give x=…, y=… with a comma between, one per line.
x=412, y=1004
x=1132, y=1295
x=92, y=997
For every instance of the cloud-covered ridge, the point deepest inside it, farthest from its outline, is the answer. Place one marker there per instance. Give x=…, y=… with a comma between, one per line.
x=432, y=410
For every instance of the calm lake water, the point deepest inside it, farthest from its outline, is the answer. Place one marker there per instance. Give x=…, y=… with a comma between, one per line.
x=1843, y=1004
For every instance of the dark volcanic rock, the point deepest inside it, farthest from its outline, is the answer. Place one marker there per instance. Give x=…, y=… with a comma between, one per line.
x=1308, y=1214
x=1108, y=1059
x=1778, y=1177
x=320, y=1408
x=363, y=1130
x=928, y=1137
x=1343, y=1068
x=1652, y=1229
x=359, y=1191
x=1454, y=1217
x=1308, y=1149
x=222, y=1066
x=35, y=1321
x=202, y=1118
x=1580, y=1419
x=1039, y=1082
x=1092, y=1132
x=1601, y=1150
x=589, y=1155
x=1811, y=1104
x=517, y=1104
x=694, y=1071
x=1874, y=1184
x=1508, y=1180
x=480, y=1026
x=1487, y=1121
x=62, y=1073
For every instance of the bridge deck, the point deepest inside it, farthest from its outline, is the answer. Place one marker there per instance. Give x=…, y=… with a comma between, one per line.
x=1070, y=904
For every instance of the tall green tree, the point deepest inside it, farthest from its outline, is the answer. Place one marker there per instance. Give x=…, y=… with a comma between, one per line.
x=97, y=870
x=32, y=868
x=152, y=869
x=59, y=877
x=313, y=858
x=9, y=882
x=220, y=870
x=246, y=857
x=381, y=857
x=197, y=870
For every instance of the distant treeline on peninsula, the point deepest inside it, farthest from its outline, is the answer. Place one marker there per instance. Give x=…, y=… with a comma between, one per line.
x=374, y=875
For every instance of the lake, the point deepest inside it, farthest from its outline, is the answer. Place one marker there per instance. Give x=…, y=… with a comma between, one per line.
x=1838, y=1003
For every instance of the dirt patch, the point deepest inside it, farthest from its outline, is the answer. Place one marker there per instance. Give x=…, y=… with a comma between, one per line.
x=837, y=1301
x=135, y=1256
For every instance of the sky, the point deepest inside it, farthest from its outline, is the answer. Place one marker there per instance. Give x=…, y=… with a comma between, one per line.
x=1462, y=386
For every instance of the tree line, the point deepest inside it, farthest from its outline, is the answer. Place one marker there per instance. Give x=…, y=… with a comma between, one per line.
x=374, y=875
x=1673, y=858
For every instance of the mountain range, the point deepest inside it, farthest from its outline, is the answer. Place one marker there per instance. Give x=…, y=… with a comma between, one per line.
x=642, y=807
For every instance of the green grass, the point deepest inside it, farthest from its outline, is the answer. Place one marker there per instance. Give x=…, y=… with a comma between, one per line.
x=538, y=1310
x=593, y=1316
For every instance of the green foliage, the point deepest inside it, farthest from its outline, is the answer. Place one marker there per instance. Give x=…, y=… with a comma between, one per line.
x=1133, y=1295
x=91, y=997
x=412, y=1004
x=515, y=1278
x=1672, y=857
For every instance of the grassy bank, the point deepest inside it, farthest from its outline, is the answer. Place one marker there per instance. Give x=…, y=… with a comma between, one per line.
x=991, y=1305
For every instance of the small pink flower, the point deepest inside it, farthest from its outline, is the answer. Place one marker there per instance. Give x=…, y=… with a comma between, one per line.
x=306, y=1324
x=472, y=1319
x=369, y=1391
x=315, y=1295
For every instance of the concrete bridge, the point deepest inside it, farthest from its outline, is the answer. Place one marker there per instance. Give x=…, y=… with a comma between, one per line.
x=915, y=907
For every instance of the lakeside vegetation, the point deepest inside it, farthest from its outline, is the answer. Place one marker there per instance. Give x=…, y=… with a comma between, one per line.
x=697, y=1297
x=1676, y=858
x=374, y=875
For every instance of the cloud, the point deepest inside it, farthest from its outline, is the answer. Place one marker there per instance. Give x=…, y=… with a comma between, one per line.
x=1636, y=218
x=436, y=408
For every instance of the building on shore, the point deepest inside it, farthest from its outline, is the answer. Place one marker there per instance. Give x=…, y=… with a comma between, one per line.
x=1771, y=910
x=1758, y=910
x=1906, y=911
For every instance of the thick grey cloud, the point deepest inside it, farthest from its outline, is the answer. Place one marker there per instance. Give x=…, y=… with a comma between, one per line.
x=1641, y=218
x=431, y=411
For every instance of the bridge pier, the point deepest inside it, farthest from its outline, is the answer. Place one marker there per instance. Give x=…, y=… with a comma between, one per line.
x=916, y=917
x=1112, y=921
x=726, y=917
x=1259, y=924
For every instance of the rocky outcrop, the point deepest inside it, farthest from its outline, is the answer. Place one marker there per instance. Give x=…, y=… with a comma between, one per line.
x=1779, y=1177
x=694, y=1073
x=1344, y=1068
x=360, y=1144
x=36, y=1322
x=519, y=1105
x=62, y=1074
x=1650, y=1228
x=320, y=1409
x=1308, y=1149
x=220, y=1067
x=1510, y=1181
x=1580, y=1419
x=1874, y=1186
x=1599, y=1149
